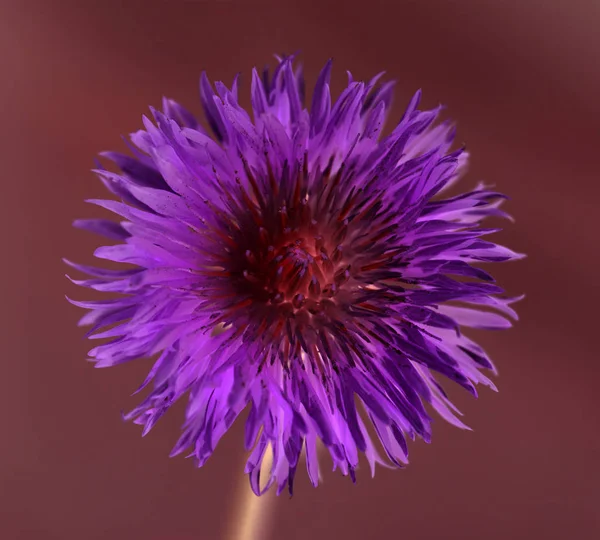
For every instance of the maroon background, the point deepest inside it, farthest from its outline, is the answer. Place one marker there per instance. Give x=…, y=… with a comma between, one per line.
x=522, y=79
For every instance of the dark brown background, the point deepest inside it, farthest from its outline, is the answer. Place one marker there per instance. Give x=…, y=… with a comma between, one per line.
x=522, y=79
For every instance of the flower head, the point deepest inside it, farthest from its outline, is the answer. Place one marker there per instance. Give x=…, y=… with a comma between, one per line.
x=300, y=264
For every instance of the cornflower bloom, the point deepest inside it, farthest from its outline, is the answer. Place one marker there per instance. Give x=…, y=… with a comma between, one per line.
x=299, y=263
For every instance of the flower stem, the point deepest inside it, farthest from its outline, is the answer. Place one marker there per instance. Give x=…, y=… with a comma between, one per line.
x=252, y=517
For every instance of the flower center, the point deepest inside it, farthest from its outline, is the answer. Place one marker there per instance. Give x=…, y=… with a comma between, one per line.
x=303, y=268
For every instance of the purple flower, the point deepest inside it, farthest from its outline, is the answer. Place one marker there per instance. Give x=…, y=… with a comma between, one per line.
x=298, y=263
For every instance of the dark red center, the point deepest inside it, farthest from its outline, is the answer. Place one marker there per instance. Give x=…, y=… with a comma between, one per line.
x=299, y=268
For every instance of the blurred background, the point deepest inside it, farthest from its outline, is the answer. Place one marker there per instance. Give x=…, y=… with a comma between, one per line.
x=522, y=79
